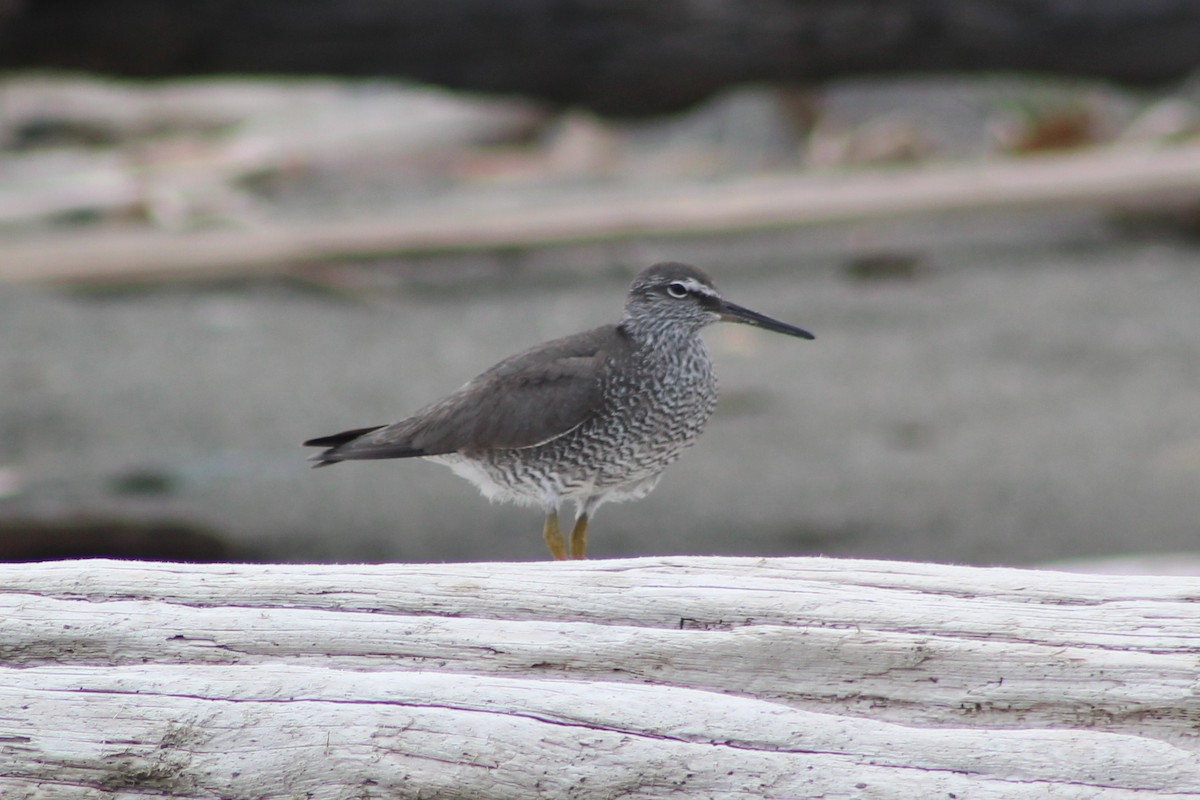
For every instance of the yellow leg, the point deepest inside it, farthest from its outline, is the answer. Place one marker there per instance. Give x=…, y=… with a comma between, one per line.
x=554, y=537
x=579, y=538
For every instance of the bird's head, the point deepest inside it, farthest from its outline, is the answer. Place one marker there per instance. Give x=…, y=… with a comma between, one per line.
x=671, y=294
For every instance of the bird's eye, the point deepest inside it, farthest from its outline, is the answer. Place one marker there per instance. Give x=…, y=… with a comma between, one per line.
x=677, y=290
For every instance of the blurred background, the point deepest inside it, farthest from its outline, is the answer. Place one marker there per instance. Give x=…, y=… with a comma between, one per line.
x=227, y=228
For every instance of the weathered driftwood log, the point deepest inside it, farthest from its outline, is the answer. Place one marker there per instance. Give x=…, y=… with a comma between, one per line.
x=1089, y=178
x=616, y=56
x=700, y=677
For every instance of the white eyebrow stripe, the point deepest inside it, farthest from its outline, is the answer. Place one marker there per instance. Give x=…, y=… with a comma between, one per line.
x=696, y=286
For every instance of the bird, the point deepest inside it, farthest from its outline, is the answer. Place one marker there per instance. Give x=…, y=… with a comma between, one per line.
x=590, y=418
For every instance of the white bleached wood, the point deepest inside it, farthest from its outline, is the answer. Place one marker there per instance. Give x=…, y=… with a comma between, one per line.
x=689, y=677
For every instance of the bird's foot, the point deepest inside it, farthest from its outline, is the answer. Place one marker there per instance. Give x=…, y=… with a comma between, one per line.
x=579, y=538
x=554, y=537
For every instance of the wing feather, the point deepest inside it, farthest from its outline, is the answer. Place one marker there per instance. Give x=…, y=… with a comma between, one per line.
x=526, y=400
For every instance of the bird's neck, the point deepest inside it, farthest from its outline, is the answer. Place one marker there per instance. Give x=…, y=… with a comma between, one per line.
x=652, y=334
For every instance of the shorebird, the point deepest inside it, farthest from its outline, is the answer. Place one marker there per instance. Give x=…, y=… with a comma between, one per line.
x=592, y=418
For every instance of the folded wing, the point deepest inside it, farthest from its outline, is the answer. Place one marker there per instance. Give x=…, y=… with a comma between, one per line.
x=523, y=401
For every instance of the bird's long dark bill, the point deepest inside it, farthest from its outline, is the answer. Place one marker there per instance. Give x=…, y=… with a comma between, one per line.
x=731, y=312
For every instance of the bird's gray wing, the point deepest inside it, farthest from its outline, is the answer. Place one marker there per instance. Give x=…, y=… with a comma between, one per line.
x=526, y=400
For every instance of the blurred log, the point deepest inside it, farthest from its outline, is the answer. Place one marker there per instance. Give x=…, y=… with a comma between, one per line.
x=171, y=178
x=1096, y=177
x=701, y=677
x=617, y=57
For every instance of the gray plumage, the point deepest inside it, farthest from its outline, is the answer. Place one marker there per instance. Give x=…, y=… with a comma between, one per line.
x=592, y=418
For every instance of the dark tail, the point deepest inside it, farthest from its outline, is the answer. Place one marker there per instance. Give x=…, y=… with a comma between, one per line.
x=334, y=442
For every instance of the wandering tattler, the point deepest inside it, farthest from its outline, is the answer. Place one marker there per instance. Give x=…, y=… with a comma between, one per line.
x=591, y=418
